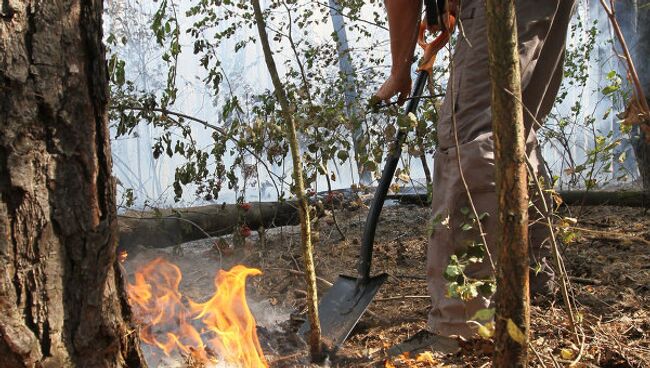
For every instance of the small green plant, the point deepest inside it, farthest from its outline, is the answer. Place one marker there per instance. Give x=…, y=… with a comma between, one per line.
x=461, y=285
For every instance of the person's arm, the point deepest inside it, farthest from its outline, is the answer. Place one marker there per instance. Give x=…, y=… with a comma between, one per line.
x=403, y=20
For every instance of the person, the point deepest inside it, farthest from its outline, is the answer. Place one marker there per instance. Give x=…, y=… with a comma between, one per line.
x=465, y=136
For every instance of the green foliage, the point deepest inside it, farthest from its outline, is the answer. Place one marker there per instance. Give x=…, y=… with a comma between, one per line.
x=248, y=127
x=461, y=285
x=247, y=134
x=589, y=147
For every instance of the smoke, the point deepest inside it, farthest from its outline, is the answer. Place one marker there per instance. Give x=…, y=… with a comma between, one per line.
x=633, y=19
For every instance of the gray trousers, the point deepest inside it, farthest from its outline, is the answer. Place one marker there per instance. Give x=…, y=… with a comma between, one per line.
x=542, y=27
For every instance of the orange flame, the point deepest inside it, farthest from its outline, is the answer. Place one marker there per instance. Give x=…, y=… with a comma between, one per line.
x=170, y=320
x=122, y=256
x=424, y=359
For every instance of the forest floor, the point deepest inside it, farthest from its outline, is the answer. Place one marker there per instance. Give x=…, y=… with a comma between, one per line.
x=608, y=263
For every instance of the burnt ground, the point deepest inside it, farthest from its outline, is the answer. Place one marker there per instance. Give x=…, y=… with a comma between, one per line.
x=608, y=263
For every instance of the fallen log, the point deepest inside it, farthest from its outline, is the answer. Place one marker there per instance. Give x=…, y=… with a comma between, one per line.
x=597, y=198
x=571, y=198
x=168, y=227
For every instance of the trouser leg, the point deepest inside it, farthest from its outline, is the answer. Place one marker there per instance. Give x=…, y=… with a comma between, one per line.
x=454, y=232
x=539, y=96
x=469, y=96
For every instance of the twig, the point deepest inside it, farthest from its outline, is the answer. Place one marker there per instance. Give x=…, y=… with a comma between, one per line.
x=207, y=125
x=557, y=257
x=430, y=97
x=286, y=357
x=555, y=363
x=410, y=277
x=301, y=273
x=585, y=281
x=580, y=352
x=350, y=16
x=640, y=95
x=609, y=234
x=539, y=357
x=402, y=297
x=329, y=191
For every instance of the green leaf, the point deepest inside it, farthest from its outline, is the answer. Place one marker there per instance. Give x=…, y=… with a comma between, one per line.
x=567, y=354
x=515, y=333
x=610, y=89
x=469, y=292
x=370, y=165
x=483, y=314
x=452, y=272
x=452, y=290
x=486, y=331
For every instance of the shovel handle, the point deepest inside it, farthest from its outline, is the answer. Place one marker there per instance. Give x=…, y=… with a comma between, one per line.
x=432, y=48
x=387, y=174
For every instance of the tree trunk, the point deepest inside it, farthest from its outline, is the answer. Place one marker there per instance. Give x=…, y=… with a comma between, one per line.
x=299, y=188
x=641, y=146
x=640, y=51
x=598, y=198
x=635, y=27
x=512, y=299
x=351, y=95
x=167, y=227
x=62, y=300
x=569, y=198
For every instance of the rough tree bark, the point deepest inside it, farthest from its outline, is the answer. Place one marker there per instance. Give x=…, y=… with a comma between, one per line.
x=299, y=187
x=62, y=300
x=512, y=300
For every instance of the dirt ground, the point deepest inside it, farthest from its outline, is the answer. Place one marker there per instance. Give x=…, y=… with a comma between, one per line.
x=608, y=263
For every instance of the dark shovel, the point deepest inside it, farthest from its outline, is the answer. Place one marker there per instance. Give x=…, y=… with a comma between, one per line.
x=346, y=301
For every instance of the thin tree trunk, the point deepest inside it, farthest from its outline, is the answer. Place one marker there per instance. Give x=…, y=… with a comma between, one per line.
x=639, y=94
x=635, y=29
x=512, y=300
x=350, y=94
x=62, y=299
x=641, y=146
x=310, y=269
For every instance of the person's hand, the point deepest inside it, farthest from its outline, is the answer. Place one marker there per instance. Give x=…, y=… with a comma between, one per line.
x=398, y=84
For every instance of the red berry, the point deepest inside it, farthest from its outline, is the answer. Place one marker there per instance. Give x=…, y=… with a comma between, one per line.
x=245, y=231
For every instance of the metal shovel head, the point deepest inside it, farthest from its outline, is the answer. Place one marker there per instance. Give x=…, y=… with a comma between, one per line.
x=342, y=306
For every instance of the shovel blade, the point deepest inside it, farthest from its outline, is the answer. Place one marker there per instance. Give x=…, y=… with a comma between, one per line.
x=342, y=306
